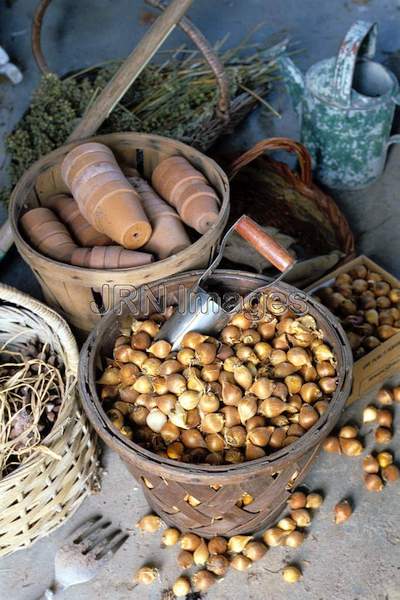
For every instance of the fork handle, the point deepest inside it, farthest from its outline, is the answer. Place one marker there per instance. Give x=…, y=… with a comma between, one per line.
x=52, y=592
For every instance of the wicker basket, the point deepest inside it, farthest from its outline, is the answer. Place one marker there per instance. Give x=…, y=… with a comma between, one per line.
x=42, y=493
x=81, y=294
x=272, y=194
x=227, y=115
x=166, y=483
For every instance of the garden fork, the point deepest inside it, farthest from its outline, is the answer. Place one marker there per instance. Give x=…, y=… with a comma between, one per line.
x=85, y=553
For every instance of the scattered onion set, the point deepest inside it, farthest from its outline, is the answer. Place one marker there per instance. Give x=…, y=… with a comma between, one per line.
x=217, y=555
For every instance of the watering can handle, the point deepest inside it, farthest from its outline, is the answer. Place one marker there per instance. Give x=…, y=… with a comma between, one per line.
x=359, y=42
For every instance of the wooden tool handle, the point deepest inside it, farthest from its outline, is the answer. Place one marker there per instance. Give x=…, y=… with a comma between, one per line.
x=264, y=243
x=130, y=70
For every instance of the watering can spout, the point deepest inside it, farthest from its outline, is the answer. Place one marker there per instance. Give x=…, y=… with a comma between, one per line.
x=294, y=81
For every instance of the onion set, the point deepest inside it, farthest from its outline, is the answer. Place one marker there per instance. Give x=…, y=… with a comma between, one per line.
x=367, y=306
x=257, y=387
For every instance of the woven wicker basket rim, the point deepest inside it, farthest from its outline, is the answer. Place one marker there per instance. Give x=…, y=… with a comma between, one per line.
x=31, y=173
x=145, y=459
x=25, y=303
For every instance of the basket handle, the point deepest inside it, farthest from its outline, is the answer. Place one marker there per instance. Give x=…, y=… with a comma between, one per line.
x=276, y=143
x=129, y=70
x=209, y=55
x=185, y=24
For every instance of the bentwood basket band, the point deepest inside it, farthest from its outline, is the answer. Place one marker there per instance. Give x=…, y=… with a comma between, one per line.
x=185, y=24
x=44, y=491
x=167, y=484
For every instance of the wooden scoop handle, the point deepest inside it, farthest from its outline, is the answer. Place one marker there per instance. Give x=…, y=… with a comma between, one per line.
x=264, y=243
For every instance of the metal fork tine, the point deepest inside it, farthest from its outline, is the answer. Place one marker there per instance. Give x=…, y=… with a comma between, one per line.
x=82, y=530
x=102, y=547
x=115, y=547
x=93, y=536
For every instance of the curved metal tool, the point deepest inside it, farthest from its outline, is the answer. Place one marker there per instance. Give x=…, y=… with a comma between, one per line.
x=205, y=314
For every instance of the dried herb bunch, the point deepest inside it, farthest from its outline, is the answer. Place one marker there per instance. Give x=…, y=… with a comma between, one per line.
x=256, y=387
x=177, y=98
x=31, y=389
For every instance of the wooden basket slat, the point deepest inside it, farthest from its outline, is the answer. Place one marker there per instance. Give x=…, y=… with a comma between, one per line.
x=195, y=515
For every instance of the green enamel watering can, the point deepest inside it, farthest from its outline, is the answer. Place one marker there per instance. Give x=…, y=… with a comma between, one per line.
x=346, y=106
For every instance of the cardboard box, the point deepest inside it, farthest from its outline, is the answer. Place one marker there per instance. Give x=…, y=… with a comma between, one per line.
x=382, y=362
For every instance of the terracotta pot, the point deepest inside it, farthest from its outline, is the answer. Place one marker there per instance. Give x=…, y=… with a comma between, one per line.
x=110, y=257
x=93, y=195
x=84, y=150
x=84, y=186
x=169, y=235
x=112, y=206
x=68, y=211
x=48, y=234
x=188, y=191
x=86, y=160
x=171, y=172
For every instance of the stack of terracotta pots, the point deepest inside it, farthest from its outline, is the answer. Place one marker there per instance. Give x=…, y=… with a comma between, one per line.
x=185, y=188
x=109, y=216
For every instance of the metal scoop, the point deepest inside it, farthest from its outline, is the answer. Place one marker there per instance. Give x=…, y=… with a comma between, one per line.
x=208, y=316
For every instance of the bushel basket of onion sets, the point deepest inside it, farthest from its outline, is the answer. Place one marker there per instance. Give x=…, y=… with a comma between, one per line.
x=56, y=474
x=202, y=498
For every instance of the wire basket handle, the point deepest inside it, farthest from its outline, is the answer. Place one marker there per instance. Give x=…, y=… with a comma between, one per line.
x=277, y=143
x=185, y=24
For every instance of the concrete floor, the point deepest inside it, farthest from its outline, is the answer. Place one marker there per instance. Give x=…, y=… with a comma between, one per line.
x=357, y=561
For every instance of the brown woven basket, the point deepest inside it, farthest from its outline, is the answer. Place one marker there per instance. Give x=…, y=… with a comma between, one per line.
x=43, y=492
x=166, y=483
x=274, y=195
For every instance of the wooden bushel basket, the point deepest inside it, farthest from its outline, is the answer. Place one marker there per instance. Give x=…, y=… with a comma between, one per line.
x=76, y=292
x=167, y=484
